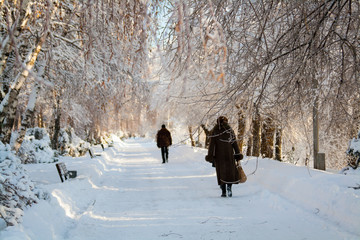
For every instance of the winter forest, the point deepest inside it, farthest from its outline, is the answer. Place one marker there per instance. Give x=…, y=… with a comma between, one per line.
x=285, y=73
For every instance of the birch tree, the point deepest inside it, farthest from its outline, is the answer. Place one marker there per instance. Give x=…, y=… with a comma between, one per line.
x=38, y=34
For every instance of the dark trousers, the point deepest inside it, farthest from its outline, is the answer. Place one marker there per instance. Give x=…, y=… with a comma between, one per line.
x=165, y=154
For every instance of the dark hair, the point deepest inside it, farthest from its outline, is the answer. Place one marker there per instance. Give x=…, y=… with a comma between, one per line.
x=163, y=126
x=221, y=120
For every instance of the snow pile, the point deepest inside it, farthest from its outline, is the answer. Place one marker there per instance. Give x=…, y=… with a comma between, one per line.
x=16, y=189
x=71, y=145
x=330, y=196
x=36, y=147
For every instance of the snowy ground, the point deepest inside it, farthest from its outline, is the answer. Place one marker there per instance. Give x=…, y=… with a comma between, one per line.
x=126, y=193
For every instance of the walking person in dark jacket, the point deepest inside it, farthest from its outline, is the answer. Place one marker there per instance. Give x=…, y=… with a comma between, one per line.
x=163, y=140
x=223, y=151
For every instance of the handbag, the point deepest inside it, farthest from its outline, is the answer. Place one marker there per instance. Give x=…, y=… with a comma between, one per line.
x=242, y=175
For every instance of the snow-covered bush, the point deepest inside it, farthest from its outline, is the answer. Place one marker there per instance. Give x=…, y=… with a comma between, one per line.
x=353, y=152
x=70, y=144
x=36, y=147
x=16, y=189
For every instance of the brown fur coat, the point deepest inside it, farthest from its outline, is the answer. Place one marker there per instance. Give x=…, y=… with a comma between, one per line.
x=221, y=152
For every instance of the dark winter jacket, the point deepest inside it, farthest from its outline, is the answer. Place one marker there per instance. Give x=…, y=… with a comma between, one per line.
x=163, y=138
x=222, y=148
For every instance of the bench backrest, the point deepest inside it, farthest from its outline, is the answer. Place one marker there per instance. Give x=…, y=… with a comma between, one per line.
x=63, y=172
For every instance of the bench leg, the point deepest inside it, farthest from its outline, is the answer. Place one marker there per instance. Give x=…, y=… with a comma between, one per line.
x=59, y=171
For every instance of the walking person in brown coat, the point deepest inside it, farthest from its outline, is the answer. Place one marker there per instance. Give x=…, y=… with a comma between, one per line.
x=163, y=140
x=223, y=151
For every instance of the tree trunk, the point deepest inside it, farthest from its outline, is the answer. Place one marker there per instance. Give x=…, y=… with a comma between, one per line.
x=249, y=146
x=8, y=115
x=355, y=125
x=315, y=122
x=27, y=117
x=17, y=122
x=207, y=135
x=17, y=27
x=267, y=138
x=256, y=134
x=191, y=137
x=241, y=129
x=40, y=119
x=57, y=117
x=10, y=102
x=278, y=144
x=263, y=143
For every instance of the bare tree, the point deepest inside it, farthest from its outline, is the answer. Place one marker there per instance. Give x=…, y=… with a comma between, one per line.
x=289, y=58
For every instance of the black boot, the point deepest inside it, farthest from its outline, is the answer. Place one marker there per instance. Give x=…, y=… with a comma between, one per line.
x=229, y=190
x=223, y=189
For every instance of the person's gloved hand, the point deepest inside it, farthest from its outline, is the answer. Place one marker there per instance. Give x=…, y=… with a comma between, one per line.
x=238, y=156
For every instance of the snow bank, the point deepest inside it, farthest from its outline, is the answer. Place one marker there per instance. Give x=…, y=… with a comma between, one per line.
x=353, y=155
x=71, y=145
x=16, y=189
x=354, y=146
x=36, y=147
x=328, y=195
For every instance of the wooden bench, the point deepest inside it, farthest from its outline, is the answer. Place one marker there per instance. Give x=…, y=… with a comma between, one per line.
x=92, y=155
x=64, y=173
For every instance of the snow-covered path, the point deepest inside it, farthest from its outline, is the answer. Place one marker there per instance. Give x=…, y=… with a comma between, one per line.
x=126, y=193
